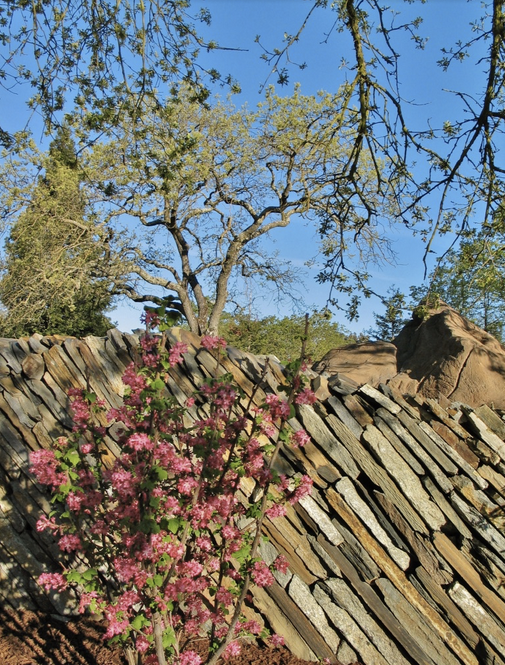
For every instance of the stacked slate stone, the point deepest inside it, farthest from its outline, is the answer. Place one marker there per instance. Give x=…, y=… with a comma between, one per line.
x=397, y=557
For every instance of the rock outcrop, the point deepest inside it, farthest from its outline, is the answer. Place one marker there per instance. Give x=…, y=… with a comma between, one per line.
x=444, y=356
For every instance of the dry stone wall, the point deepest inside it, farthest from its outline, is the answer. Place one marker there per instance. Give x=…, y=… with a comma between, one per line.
x=397, y=558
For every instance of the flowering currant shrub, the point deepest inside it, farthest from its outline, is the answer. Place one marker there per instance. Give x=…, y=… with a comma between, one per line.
x=169, y=541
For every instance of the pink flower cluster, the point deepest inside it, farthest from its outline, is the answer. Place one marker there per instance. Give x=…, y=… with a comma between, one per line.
x=210, y=342
x=54, y=581
x=306, y=396
x=46, y=468
x=162, y=519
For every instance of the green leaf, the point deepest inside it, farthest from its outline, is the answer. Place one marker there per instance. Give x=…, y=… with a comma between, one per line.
x=89, y=397
x=148, y=525
x=243, y=553
x=154, y=502
x=284, y=435
x=89, y=574
x=168, y=637
x=73, y=457
x=161, y=473
x=158, y=384
x=174, y=524
x=140, y=621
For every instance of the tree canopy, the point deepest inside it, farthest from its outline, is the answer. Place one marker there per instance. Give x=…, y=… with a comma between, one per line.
x=389, y=324
x=103, y=64
x=203, y=185
x=52, y=279
x=102, y=58
x=448, y=178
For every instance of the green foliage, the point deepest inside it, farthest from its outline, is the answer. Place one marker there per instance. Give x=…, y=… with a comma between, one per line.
x=428, y=303
x=281, y=337
x=471, y=278
x=49, y=282
x=110, y=55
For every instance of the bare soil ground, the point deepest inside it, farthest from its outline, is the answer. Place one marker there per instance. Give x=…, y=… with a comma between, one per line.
x=29, y=638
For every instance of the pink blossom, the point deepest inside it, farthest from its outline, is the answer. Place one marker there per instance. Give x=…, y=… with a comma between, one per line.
x=86, y=599
x=211, y=342
x=152, y=659
x=300, y=438
x=176, y=352
x=140, y=442
x=225, y=398
x=116, y=625
x=306, y=396
x=261, y=574
x=204, y=543
x=213, y=564
x=80, y=410
x=281, y=564
x=100, y=528
x=86, y=478
x=54, y=581
x=181, y=465
x=70, y=543
x=123, y=482
x=171, y=475
x=175, y=551
x=187, y=485
x=75, y=500
x=191, y=568
x=230, y=532
x=142, y=644
x=276, y=640
x=224, y=596
x=150, y=318
x=252, y=627
x=135, y=381
x=277, y=510
x=45, y=468
x=283, y=483
x=127, y=600
x=279, y=408
x=189, y=658
x=44, y=523
x=232, y=650
x=303, y=489
x=126, y=569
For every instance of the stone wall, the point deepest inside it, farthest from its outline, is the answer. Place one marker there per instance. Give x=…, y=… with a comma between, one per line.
x=397, y=558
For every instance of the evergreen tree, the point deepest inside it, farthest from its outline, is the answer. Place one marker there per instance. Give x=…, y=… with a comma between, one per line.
x=389, y=324
x=50, y=281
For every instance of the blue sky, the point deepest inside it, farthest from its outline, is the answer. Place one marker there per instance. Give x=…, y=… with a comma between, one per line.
x=235, y=23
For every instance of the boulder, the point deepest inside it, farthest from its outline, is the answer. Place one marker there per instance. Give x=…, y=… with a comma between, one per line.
x=446, y=354
x=369, y=362
x=443, y=356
